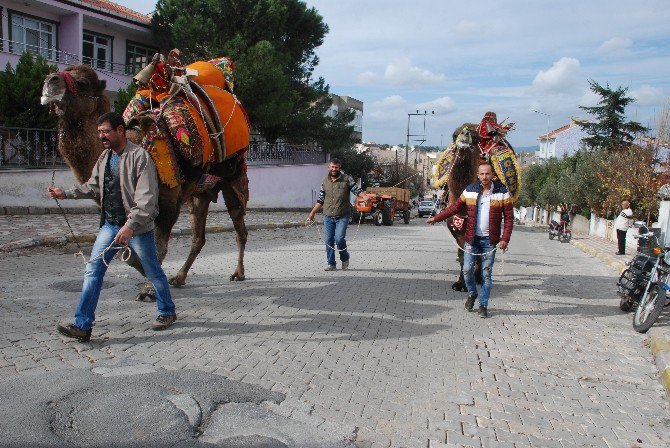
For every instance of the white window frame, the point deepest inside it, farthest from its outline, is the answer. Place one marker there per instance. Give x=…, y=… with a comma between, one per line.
x=46, y=34
x=98, y=64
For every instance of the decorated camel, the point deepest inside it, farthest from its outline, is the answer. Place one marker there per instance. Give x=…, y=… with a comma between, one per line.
x=192, y=125
x=457, y=167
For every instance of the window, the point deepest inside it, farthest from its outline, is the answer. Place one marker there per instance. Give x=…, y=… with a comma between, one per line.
x=97, y=50
x=137, y=57
x=33, y=35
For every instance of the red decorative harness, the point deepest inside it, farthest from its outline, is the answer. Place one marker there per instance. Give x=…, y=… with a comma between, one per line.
x=70, y=82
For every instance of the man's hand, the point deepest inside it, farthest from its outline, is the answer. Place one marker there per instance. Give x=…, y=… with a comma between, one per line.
x=430, y=221
x=124, y=235
x=310, y=216
x=503, y=245
x=56, y=193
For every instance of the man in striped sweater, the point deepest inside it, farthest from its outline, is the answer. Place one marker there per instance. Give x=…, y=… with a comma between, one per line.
x=488, y=204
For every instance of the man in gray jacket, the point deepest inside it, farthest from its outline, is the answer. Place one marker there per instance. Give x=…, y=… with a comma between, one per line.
x=125, y=183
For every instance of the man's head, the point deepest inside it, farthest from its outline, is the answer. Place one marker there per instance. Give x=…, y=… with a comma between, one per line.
x=334, y=167
x=112, y=131
x=625, y=205
x=485, y=174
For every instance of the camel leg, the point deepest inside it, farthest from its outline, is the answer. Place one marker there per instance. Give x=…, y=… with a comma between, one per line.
x=198, y=207
x=236, y=194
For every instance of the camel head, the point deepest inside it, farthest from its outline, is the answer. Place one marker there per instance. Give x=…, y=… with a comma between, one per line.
x=75, y=93
x=465, y=137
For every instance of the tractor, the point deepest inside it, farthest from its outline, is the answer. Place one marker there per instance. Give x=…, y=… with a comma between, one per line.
x=383, y=204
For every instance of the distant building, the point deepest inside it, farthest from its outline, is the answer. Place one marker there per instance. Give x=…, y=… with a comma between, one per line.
x=563, y=141
x=344, y=103
x=113, y=39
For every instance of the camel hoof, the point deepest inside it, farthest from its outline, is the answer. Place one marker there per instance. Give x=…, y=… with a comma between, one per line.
x=145, y=297
x=176, y=282
x=458, y=286
x=237, y=278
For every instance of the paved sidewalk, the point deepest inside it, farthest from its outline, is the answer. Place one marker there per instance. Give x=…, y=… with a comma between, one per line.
x=21, y=231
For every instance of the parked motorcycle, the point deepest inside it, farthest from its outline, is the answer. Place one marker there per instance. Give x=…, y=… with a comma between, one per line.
x=560, y=231
x=644, y=284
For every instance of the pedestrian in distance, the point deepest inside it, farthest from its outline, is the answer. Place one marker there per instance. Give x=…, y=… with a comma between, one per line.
x=489, y=212
x=622, y=223
x=334, y=198
x=125, y=184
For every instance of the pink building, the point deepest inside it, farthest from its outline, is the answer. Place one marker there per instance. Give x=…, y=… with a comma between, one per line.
x=114, y=40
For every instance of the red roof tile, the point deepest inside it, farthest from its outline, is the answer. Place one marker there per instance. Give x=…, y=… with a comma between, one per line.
x=117, y=10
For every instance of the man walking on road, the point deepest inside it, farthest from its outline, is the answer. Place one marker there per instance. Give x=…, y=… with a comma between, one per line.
x=125, y=183
x=334, y=198
x=487, y=203
x=622, y=223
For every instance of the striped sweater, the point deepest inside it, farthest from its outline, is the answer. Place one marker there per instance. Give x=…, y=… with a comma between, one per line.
x=501, y=208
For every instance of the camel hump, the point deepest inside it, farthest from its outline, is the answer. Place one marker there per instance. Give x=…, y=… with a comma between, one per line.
x=216, y=72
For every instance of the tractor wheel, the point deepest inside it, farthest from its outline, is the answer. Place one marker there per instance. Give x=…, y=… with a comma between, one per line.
x=405, y=216
x=378, y=218
x=387, y=214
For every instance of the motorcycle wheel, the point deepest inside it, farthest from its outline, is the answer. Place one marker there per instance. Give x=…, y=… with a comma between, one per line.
x=551, y=236
x=625, y=305
x=650, y=307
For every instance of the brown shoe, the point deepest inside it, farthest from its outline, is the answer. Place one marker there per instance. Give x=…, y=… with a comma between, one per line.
x=74, y=332
x=163, y=322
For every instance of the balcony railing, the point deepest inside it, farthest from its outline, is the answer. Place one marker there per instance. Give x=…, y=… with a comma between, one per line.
x=62, y=57
x=38, y=148
x=263, y=153
x=29, y=148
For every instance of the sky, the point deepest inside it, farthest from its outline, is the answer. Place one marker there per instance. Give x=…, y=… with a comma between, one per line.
x=461, y=59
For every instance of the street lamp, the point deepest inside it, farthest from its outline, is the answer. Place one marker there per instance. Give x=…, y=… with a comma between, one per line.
x=546, y=147
x=409, y=115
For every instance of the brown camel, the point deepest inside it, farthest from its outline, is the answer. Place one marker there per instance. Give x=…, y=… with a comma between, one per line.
x=76, y=96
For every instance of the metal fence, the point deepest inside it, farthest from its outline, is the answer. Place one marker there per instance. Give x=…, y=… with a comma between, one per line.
x=263, y=153
x=29, y=148
x=38, y=148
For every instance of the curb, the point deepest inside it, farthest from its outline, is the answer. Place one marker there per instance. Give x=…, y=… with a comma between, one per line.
x=660, y=349
x=90, y=237
x=617, y=265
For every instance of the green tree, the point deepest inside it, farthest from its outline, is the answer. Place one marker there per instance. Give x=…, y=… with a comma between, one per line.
x=610, y=130
x=273, y=45
x=123, y=98
x=21, y=89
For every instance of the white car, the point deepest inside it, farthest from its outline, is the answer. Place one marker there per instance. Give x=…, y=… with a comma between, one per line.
x=426, y=208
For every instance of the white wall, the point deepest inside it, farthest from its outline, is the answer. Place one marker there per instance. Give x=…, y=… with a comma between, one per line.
x=294, y=186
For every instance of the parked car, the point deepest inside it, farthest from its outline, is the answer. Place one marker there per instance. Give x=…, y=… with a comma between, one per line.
x=426, y=208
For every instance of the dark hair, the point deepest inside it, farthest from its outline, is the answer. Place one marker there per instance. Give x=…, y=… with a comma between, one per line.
x=336, y=161
x=113, y=118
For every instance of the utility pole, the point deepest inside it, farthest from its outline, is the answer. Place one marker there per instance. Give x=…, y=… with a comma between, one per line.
x=409, y=115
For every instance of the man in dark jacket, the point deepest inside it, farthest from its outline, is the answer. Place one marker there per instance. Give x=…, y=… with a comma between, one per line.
x=334, y=198
x=487, y=203
x=125, y=182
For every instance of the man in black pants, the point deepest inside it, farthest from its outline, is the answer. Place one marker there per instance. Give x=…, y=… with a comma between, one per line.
x=622, y=223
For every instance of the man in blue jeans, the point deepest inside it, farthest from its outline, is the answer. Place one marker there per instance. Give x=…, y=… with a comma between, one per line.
x=125, y=183
x=488, y=204
x=334, y=198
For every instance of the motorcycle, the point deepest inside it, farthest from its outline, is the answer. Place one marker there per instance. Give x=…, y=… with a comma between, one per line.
x=560, y=231
x=644, y=284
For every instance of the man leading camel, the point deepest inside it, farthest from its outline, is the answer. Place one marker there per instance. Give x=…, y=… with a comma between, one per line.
x=125, y=183
x=487, y=203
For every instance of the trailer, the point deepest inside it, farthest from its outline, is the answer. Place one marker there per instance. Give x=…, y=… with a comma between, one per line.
x=384, y=204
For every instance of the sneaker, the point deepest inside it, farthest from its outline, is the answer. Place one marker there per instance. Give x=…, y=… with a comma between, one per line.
x=470, y=302
x=483, y=312
x=345, y=265
x=163, y=322
x=331, y=267
x=74, y=332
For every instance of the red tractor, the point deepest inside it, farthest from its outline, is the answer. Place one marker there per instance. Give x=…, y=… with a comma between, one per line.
x=383, y=204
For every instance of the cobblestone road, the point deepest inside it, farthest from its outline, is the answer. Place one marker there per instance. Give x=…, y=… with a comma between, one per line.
x=385, y=346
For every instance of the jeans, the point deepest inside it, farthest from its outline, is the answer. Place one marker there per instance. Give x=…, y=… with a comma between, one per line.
x=144, y=247
x=334, y=234
x=480, y=245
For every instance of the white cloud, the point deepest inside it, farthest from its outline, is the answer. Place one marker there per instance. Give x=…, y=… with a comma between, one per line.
x=590, y=98
x=386, y=110
x=468, y=28
x=367, y=78
x=647, y=95
x=401, y=72
x=616, y=46
x=442, y=105
x=391, y=102
x=562, y=77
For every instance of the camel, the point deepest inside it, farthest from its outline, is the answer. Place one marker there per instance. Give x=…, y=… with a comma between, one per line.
x=76, y=96
x=458, y=170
